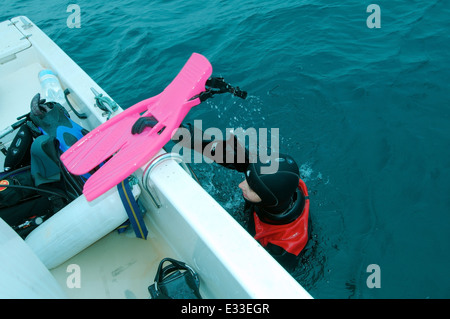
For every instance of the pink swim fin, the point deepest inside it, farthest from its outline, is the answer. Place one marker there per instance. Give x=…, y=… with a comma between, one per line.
x=128, y=151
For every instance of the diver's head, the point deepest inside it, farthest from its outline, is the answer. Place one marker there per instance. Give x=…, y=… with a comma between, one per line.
x=275, y=189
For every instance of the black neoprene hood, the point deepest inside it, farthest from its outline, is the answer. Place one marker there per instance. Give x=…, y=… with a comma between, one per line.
x=276, y=187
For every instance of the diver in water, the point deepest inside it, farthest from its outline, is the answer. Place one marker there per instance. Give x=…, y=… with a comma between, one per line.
x=276, y=202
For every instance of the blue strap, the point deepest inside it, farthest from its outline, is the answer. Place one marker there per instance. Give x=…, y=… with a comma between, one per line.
x=133, y=210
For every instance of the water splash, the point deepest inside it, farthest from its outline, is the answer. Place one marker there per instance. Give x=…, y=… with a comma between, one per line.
x=307, y=174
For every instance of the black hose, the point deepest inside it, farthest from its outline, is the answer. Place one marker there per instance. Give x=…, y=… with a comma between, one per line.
x=37, y=190
x=16, y=171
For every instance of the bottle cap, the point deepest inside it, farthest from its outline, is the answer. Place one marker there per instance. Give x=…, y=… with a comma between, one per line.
x=45, y=72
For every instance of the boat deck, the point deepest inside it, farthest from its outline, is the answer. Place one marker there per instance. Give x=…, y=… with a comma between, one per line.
x=16, y=92
x=118, y=266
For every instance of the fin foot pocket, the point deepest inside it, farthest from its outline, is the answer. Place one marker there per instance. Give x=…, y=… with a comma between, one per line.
x=142, y=123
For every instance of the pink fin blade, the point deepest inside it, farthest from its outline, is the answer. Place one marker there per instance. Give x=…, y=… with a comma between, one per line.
x=102, y=142
x=120, y=166
x=128, y=151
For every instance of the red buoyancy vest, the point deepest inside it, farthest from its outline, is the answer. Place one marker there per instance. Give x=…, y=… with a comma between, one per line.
x=291, y=237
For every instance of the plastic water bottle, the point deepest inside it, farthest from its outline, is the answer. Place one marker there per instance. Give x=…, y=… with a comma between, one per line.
x=51, y=87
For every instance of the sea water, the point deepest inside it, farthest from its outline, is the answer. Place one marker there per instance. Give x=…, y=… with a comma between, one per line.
x=360, y=101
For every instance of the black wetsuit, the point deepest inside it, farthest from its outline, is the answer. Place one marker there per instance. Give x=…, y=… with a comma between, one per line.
x=291, y=212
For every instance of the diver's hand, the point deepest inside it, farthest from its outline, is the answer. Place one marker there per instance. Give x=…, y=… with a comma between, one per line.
x=239, y=93
x=142, y=123
x=221, y=86
x=217, y=85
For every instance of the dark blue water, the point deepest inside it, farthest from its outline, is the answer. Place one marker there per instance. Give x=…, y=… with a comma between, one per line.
x=364, y=111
